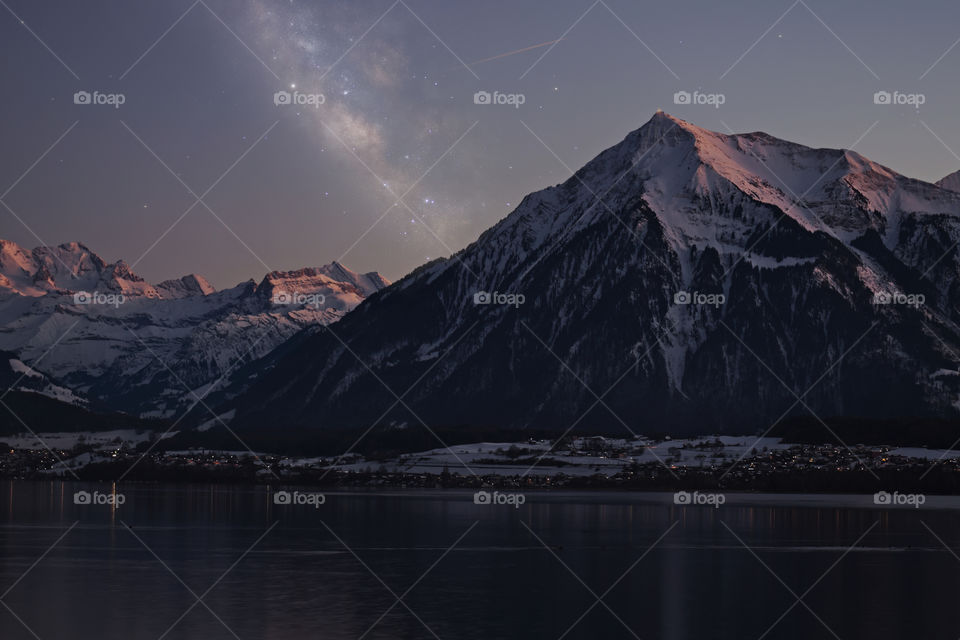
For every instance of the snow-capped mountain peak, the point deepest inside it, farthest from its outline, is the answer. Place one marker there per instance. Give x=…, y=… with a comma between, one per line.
x=806, y=256
x=804, y=182
x=951, y=182
x=188, y=285
x=344, y=287
x=72, y=267
x=703, y=185
x=195, y=332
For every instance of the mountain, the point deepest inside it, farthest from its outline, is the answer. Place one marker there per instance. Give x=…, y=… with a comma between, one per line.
x=73, y=267
x=683, y=281
x=951, y=182
x=32, y=401
x=126, y=345
x=15, y=375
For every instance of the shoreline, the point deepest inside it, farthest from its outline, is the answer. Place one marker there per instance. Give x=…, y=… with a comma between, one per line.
x=534, y=492
x=534, y=495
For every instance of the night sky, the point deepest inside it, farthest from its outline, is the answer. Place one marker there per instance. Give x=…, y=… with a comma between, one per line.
x=285, y=186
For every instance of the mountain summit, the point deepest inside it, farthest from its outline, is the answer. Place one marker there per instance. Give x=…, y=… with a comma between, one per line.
x=682, y=280
x=127, y=345
x=72, y=267
x=951, y=182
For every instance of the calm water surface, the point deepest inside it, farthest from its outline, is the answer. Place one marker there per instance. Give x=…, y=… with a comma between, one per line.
x=279, y=572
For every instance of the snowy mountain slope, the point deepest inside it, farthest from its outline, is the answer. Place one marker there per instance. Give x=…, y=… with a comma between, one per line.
x=34, y=402
x=190, y=285
x=21, y=377
x=73, y=267
x=133, y=346
x=951, y=182
x=804, y=245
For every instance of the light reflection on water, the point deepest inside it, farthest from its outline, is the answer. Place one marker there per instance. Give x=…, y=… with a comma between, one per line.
x=333, y=571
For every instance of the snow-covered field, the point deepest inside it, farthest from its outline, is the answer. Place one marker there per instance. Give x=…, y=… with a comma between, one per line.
x=925, y=454
x=590, y=456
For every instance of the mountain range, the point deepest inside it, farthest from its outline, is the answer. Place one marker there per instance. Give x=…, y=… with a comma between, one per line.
x=122, y=344
x=683, y=281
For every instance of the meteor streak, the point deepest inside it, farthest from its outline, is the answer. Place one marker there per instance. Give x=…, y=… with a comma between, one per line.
x=510, y=53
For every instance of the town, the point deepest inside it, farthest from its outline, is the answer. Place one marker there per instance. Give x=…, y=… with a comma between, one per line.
x=718, y=462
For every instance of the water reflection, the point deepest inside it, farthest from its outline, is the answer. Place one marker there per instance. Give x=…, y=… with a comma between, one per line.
x=589, y=565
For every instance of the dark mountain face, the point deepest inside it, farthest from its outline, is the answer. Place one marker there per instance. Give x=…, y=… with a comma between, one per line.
x=31, y=400
x=683, y=281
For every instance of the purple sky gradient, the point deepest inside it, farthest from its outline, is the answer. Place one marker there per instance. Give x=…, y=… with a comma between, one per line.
x=399, y=111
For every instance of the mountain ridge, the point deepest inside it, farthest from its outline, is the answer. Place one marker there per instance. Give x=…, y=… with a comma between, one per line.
x=801, y=243
x=951, y=182
x=126, y=345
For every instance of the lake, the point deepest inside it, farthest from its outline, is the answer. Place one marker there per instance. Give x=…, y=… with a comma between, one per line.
x=188, y=561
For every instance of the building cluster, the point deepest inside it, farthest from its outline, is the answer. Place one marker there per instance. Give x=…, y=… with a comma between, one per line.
x=577, y=462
